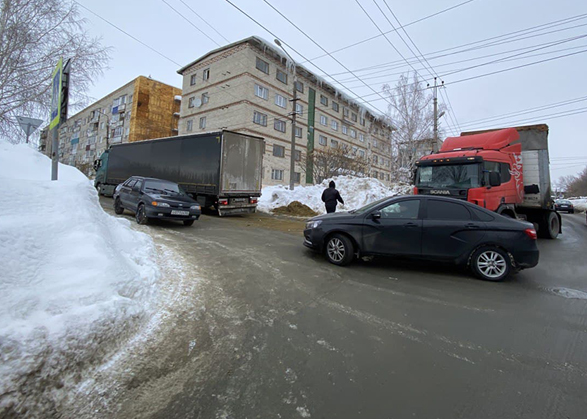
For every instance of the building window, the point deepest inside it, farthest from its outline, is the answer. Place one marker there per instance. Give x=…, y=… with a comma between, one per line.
x=260, y=118
x=375, y=159
x=375, y=174
x=297, y=177
x=324, y=100
x=190, y=125
x=361, y=137
x=323, y=120
x=191, y=102
x=206, y=74
x=280, y=101
x=363, y=121
x=361, y=153
x=262, y=65
x=322, y=140
x=374, y=143
x=279, y=125
x=276, y=174
x=281, y=76
x=345, y=112
x=354, y=117
x=261, y=92
x=205, y=98
x=298, y=155
x=300, y=86
x=299, y=132
x=299, y=109
x=381, y=175
x=353, y=133
x=345, y=129
x=278, y=151
x=334, y=143
x=203, y=122
x=193, y=79
x=334, y=125
x=335, y=107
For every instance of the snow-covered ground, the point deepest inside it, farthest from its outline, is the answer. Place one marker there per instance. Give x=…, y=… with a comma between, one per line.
x=73, y=280
x=580, y=204
x=356, y=192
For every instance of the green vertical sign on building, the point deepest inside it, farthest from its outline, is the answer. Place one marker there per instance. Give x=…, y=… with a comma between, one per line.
x=310, y=145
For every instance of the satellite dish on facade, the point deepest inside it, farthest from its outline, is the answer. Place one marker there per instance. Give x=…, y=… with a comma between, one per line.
x=198, y=102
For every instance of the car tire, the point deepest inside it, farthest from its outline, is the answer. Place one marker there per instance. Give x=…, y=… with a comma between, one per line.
x=490, y=263
x=118, y=209
x=188, y=223
x=141, y=215
x=339, y=250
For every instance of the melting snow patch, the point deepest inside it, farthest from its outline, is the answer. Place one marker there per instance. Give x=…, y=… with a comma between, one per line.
x=293, y=326
x=356, y=192
x=569, y=293
x=303, y=412
x=327, y=345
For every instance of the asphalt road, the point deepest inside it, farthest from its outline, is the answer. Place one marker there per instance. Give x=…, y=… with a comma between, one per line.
x=277, y=332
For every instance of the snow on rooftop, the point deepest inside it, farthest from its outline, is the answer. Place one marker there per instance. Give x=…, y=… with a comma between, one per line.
x=356, y=192
x=74, y=279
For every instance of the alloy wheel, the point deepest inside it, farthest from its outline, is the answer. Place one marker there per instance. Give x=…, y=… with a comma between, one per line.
x=491, y=264
x=336, y=250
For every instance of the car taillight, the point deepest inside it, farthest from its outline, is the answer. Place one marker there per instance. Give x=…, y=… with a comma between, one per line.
x=415, y=191
x=530, y=232
x=254, y=200
x=223, y=201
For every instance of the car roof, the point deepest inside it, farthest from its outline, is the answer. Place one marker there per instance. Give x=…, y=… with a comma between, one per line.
x=150, y=178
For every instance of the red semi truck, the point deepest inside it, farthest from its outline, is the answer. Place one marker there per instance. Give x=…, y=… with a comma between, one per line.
x=503, y=170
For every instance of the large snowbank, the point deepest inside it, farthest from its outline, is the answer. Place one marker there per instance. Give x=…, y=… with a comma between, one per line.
x=74, y=281
x=580, y=204
x=356, y=192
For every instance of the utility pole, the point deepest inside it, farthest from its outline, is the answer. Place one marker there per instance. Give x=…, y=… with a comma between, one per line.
x=292, y=163
x=435, y=145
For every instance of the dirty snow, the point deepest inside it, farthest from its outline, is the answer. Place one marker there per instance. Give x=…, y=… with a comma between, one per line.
x=580, y=204
x=74, y=282
x=356, y=192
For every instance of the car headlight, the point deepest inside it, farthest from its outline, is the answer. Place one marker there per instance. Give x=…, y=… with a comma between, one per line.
x=194, y=207
x=160, y=204
x=313, y=224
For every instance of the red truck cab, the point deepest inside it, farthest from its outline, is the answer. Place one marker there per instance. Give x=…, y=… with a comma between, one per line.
x=500, y=170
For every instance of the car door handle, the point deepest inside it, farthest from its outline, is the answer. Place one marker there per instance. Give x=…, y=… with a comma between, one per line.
x=410, y=225
x=472, y=226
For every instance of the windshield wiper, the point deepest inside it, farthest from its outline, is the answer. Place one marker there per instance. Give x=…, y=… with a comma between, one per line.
x=154, y=189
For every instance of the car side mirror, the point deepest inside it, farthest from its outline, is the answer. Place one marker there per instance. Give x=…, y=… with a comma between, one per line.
x=376, y=215
x=494, y=179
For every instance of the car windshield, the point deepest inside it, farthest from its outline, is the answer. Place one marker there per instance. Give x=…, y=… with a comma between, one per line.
x=166, y=188
x=368, y=207
x=448, y=176
x=564, y=202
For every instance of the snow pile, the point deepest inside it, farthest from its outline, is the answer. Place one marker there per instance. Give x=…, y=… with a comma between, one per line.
x=356, y=192
x=580, y=204
x=74, y=282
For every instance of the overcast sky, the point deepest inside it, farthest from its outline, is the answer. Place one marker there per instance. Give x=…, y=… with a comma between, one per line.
x=556, y=86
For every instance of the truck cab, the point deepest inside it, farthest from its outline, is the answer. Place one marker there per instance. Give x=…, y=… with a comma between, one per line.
x=101, y=168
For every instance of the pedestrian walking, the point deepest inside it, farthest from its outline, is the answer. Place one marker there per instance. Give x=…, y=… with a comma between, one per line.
x=331, y=197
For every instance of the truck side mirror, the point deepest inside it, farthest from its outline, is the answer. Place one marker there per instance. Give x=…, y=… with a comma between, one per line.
x=97, y=164
x=494, y=179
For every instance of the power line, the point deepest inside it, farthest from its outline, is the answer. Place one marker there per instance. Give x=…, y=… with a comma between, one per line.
x=204, y=20
x=127, y=34
x=190, y=22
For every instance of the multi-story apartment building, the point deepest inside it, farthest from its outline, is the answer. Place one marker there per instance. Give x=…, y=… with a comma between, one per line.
x=247, y=86
x=140, y=110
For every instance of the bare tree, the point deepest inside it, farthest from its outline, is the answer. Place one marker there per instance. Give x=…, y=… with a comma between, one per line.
x=411, y=113
x=34, y=34
x=574, y=185
x=334, y=161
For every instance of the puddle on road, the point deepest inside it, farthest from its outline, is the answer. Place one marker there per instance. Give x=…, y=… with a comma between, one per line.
x=568, y=293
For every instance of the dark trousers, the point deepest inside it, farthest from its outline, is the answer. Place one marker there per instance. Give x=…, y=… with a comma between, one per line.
x=330, y=208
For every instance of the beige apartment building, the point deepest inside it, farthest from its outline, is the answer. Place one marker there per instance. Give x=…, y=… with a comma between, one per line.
x=140, y=110
x=247, y=87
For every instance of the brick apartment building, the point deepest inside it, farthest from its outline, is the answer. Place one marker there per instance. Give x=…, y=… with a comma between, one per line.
x=140, y=110
x=247, y=87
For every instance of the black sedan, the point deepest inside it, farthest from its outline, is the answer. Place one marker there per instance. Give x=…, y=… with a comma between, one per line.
x=564, y=205
x=431, y=228
x=152, y=198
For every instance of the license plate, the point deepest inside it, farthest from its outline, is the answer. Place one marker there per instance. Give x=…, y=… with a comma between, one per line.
x=239, y=200
x=177, y=212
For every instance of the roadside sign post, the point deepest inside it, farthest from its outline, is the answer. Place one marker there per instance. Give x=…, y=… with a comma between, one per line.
x=59, y=102
x=28, y=125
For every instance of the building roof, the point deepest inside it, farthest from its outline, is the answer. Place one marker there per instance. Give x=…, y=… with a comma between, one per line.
x=269, y=48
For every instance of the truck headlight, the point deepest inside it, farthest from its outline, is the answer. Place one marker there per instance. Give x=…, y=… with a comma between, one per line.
x=195, y=207
x=313, y=224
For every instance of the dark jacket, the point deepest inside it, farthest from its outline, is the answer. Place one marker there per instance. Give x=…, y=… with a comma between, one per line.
x=330, y=196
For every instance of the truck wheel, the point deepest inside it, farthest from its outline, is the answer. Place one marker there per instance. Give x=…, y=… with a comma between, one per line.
x=490, y=263
x=141, y=215
x=550, y=226
x=118, y=209
x=339, y=250
x=188, y=223
x=98, y=188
